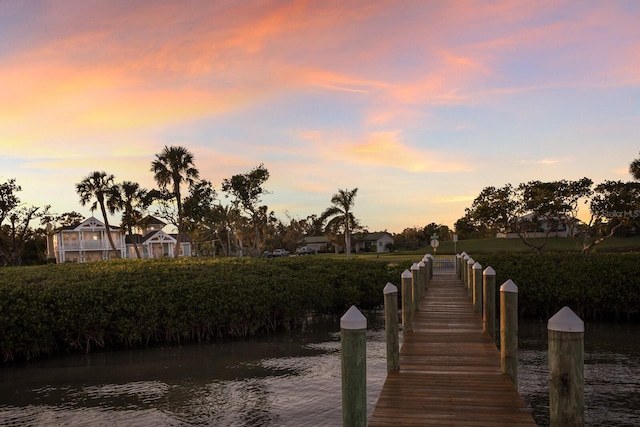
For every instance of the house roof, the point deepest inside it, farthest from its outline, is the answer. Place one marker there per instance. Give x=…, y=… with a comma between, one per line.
x=150, y=219
x=91, y=222
x=372, y=237
x=152, y=235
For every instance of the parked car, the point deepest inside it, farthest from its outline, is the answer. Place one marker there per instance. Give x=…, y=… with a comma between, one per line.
x=305, y=250
x=280, y=252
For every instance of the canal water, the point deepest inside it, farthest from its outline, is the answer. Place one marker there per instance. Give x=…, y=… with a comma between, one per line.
x=286, y=379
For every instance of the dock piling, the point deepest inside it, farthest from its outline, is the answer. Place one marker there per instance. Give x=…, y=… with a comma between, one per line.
x=353, y=340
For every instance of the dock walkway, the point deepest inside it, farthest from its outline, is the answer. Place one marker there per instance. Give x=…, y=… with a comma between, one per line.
x=449, y=369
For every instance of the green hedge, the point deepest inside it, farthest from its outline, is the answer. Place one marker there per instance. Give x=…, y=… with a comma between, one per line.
x=51, y=308
x=604, y=286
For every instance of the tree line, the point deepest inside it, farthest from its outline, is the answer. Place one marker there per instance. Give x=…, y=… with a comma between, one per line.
x=244, y=225
x=542, y=209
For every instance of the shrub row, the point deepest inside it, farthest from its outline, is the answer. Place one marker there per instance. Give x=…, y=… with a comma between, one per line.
x=604, y=286
x=51, y=308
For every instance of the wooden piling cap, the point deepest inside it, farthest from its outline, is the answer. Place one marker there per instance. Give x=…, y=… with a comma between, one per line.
x=458, y=255
x=390, y=288
x=406, y=274
x=509, y=286
x=477, y=266
x=489, y=272
x=471, y=261
x=415, y=266
x=565, y=321
x=353, y=319
x=463, y=254
x=422, y=264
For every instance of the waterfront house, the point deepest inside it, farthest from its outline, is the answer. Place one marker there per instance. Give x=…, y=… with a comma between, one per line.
x=85, y=242
x=88, y=241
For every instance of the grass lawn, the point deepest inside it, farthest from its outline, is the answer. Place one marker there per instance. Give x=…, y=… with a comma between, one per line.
x=475, y=246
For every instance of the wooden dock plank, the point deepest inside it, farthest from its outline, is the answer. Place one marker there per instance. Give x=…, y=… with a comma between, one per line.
x=449, y=369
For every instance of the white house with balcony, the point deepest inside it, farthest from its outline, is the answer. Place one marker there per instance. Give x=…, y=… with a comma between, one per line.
x=85, y=242
x=88, y=241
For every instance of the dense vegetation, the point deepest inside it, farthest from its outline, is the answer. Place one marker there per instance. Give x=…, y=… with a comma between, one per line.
x=606, y=286
x=67, y=307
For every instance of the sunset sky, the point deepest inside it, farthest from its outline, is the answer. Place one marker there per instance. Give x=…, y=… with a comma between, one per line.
x=420, y=104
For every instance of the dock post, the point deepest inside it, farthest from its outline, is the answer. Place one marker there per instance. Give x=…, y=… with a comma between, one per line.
x=477, y=287
x=423, y=277
x=509, y=330
x=430, y=266
x=458, y=262
x=489, y=302
x=463, y=264
x=469, y=283
x=391, y=326
x=415, y=286
x=407, y=302
x=353, y=340
x=428, y=263
x=463, y=268
x=566, y=369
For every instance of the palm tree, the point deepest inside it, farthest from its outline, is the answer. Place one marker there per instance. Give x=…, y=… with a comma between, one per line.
x=171, y=168
x=100, y=188
x=634, y=169
x=343, y=218
x=132, y=200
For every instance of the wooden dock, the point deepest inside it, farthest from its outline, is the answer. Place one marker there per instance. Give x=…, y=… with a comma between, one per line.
x=449, y=369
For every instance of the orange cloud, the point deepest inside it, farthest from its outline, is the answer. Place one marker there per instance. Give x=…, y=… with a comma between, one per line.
x=385, y=149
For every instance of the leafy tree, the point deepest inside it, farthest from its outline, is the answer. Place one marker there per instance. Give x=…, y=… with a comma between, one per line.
x=613, y=205
x=548, y=207
x=532, y=207
x=247, y=190
x=19, y=242
x=198, y=207
x=172, y=168
x=493, y=210
x=313, y=225
x=634, y=169
x=66, y=219
x=342, y=218
x=99, y=190
x=8, y=198
x=410, y=238
x=133, y=200
x=467, y=228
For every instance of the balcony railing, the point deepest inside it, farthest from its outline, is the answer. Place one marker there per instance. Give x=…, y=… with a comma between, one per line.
x=89, y=245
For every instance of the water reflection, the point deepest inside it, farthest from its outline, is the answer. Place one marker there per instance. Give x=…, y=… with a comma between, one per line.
x=611, y=366
x=288, y=379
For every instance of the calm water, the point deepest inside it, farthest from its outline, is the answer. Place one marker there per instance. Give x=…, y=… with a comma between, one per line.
x=290, y=379
x=611, y=372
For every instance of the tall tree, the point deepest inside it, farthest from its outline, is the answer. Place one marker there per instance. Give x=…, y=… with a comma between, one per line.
x=99, y=190
x=132, y=200
x=198, y=208
x=634, y=169
x=341, y=215
x=247, y=190
x=172, y=168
